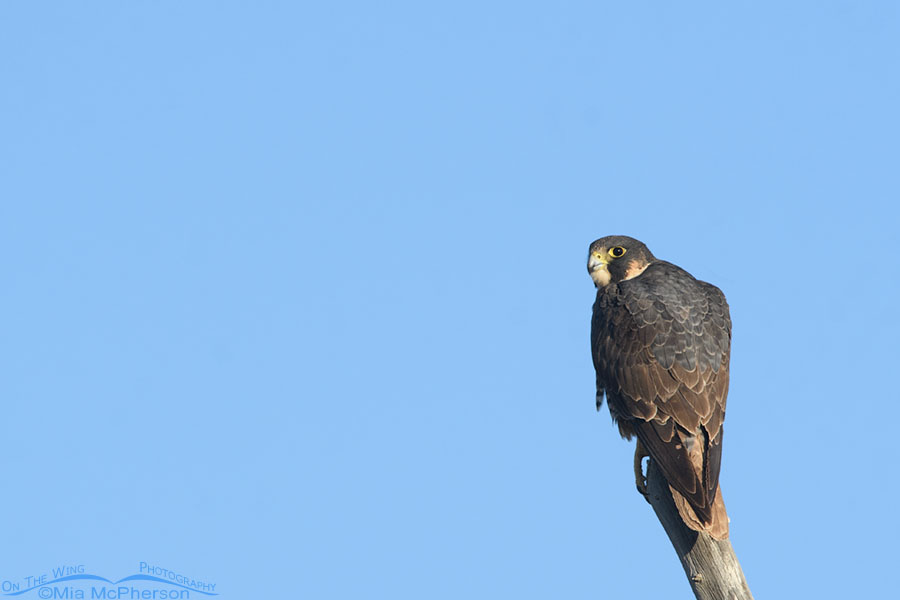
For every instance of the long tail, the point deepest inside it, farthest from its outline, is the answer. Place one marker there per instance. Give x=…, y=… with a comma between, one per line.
x=717, y=526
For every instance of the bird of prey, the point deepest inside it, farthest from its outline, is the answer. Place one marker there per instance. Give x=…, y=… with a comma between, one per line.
x=661, y=342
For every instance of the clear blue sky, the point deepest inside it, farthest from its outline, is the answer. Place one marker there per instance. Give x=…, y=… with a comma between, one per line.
x=295, y=297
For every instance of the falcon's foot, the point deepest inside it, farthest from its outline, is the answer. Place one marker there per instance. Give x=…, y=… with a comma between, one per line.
x=640, y=481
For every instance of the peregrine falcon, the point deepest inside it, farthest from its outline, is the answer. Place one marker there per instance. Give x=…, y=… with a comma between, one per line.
x=661, y=342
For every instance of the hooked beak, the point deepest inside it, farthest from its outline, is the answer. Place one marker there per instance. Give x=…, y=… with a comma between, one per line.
x=597, y=267
x=596, y=261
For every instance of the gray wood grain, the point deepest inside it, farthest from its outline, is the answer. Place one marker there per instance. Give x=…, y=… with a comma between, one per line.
x=711, y=566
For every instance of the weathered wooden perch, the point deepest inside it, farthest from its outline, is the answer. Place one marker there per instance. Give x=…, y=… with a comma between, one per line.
x=710, y=565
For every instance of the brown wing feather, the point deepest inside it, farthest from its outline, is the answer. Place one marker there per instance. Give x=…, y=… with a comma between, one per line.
x=661, y=345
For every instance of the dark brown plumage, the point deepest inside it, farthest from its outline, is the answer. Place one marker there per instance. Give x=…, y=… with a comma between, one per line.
x=661, y=342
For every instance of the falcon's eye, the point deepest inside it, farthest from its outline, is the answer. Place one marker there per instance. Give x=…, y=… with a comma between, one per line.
x=616, y=251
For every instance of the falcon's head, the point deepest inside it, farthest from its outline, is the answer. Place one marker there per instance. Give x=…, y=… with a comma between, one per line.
x=616, y=258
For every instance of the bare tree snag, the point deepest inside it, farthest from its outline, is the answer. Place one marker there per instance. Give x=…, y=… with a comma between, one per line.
x=710, y=565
